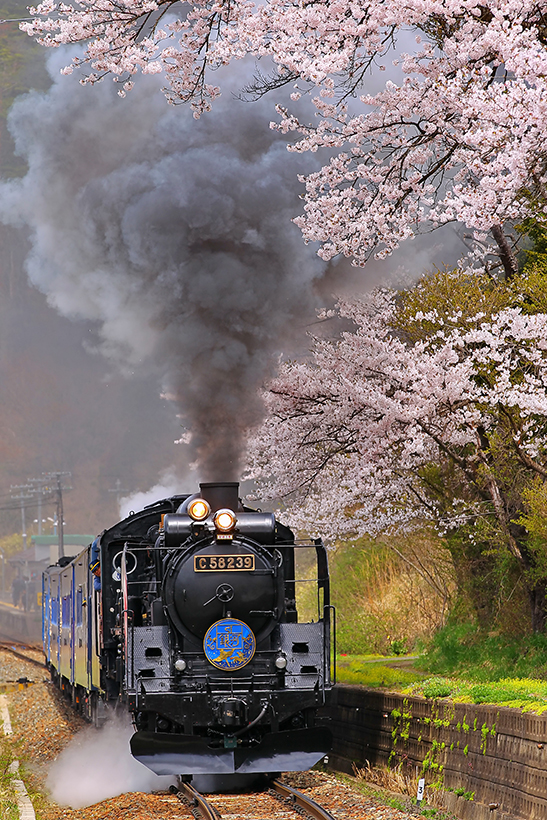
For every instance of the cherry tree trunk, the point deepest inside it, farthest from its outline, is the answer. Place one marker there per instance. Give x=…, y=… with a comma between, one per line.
x=537, y=597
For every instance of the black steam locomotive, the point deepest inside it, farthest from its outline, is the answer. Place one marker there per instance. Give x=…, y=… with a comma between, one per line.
x=185, y=614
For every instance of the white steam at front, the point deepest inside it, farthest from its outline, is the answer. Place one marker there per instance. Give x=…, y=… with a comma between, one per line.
x=97, y=765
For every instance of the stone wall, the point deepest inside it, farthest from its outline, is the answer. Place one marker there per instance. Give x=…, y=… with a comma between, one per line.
x=496, y=755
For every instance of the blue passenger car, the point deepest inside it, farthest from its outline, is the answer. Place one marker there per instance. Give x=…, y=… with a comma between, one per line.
x=69, y=632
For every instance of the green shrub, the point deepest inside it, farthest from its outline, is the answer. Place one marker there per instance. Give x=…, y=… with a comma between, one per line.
x=399, y=647
x=437, y=688
x=449, y=649
x=509, y=691
x=365, y=671
x=464, y=651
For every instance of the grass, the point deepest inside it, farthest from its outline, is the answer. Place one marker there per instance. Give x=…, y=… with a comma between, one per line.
x=383, y=603
x=474, y=670
x=528, y=694
x=368, y=670
x=461, y=650
x=381, y=783
x=8, y=803
x=382, y=609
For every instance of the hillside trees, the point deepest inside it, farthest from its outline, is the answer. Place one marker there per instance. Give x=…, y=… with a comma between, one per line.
x=455, y=135
x=432, y=408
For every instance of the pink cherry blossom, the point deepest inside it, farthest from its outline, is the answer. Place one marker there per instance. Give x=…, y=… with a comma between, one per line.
x=457, y=135
x=349, y=431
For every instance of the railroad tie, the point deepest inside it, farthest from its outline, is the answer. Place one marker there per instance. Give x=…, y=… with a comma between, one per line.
x=4, y=714
x=24, y=804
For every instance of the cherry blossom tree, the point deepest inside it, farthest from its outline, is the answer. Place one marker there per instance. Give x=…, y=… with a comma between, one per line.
x=457, y=136
x=436, y=414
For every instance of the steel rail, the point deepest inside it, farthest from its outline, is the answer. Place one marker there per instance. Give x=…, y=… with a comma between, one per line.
x=10, y=648
x=311, y=808
x=196, y=802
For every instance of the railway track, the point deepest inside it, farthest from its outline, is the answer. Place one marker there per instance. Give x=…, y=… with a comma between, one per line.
x=17, y=649
x=292, y=803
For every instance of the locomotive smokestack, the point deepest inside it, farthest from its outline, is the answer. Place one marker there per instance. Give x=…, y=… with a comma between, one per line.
x=220, y=494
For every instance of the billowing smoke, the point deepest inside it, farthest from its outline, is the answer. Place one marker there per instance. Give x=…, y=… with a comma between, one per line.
x=174, y=236
x=98, y=764
x=170, y=483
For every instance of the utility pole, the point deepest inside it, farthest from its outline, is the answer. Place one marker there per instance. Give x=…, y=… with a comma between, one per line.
x=22, y=497
x=119, y=492
x=40, y=490
x=55, y=486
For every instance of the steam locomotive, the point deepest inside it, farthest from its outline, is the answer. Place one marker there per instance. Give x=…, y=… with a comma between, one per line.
x=190, y=623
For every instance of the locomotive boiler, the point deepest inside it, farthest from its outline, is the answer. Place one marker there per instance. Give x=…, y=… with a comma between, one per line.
x=205, y=623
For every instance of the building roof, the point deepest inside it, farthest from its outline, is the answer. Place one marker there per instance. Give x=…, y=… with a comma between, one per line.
x=69, y=540
x=39, y=550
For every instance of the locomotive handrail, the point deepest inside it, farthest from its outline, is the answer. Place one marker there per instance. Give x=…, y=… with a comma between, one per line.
x=315, y=580
x=332, y=634
x=126, y=622
x=129, y=669
x=217, y=684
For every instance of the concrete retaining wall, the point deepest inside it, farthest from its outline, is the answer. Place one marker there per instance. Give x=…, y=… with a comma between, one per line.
x=497, y=754
x=18, y=625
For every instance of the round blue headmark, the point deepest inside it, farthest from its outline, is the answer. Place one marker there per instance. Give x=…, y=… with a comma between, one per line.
x=229, y=644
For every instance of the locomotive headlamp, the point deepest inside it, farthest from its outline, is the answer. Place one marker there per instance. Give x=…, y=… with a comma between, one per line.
x=281, y=662
x=225, y=520
x=198, y=509
x=180, y=664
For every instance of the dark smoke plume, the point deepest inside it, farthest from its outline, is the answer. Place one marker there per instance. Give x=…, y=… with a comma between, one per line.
x=174, y=236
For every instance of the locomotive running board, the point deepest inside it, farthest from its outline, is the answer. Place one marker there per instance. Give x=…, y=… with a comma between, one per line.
x=293, y=751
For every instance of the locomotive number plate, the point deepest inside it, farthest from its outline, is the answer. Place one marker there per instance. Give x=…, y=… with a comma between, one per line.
x=226, y=563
